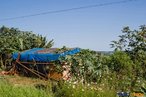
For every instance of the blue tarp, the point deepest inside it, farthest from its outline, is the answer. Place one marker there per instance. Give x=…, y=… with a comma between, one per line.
x=32, y=54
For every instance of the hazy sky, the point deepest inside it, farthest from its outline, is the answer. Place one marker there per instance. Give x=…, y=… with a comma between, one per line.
x=92, y=28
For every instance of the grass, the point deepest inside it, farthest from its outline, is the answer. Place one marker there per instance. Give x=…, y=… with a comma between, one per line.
x=8, y=90
x=79, y=90
x=15, y=86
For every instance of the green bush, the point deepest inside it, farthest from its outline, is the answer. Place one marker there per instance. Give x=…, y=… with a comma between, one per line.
x=79, y=90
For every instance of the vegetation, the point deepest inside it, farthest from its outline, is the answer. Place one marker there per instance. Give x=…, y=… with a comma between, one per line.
x=92, y=73
x=124, y=70
x=80, y=90
x=62, y=89
x=9, y=90
x=133, y=43
x=13, y=40
x=86, y=66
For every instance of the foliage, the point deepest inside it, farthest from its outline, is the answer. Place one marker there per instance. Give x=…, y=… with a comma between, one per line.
x=12, y=39
x=133, y=42
x=86, y=65
x=80, y=90
x=120, y=63
x=64, y=89
x=120, y=70
x=9, y=90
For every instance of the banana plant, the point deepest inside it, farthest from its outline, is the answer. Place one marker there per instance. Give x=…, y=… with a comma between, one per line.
x=12, y=40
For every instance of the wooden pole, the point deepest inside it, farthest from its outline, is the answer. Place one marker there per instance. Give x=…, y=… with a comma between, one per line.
x=34, y=72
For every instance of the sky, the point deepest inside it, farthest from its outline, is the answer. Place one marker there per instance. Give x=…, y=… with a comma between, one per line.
x=91, y=28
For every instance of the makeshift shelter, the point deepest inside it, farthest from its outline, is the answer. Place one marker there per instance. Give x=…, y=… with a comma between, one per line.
x=34, y=60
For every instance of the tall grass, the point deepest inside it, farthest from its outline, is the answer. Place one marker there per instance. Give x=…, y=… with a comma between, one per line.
x=8, y=90
x=58, y=90
x=79, y=90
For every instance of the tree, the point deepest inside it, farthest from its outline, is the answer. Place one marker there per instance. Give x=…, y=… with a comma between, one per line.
x=120, y=63
x=12, y=40
x=120, y=66
x=133, y=42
